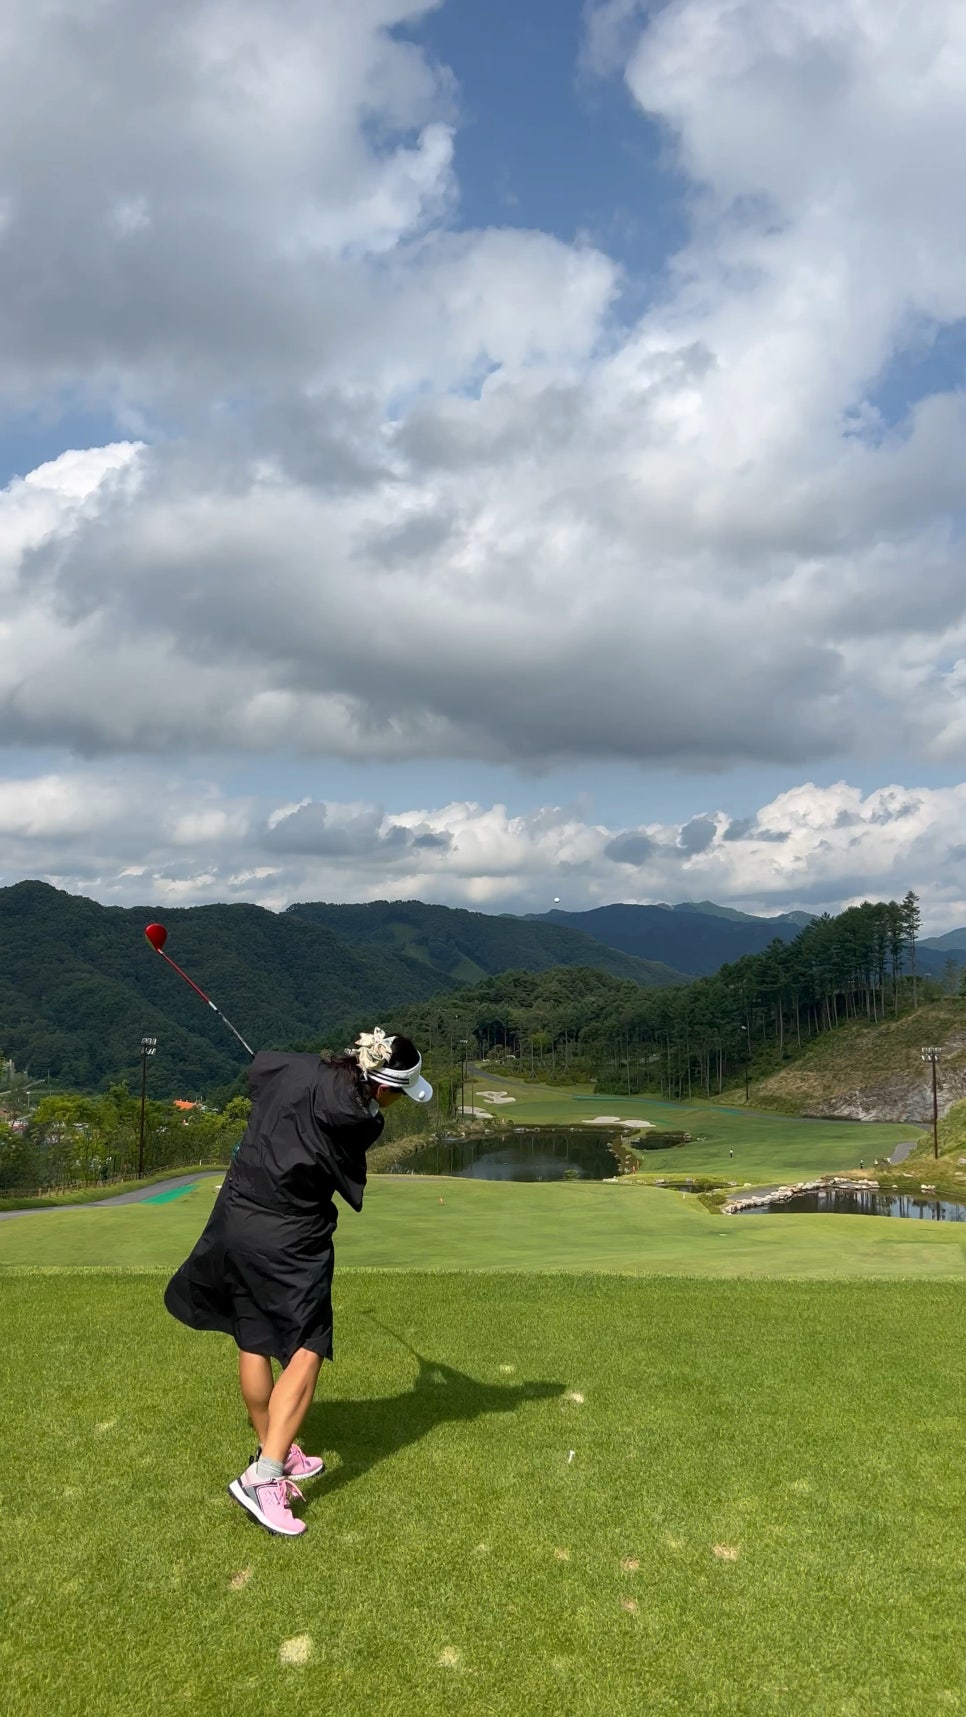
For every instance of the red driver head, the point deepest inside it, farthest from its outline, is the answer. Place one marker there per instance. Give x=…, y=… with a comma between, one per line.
x=157, y=936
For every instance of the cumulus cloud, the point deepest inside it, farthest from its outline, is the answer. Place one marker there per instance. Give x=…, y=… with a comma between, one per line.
x=182, y=179
x=138, y=836
x=406, y=490
x=386, y=488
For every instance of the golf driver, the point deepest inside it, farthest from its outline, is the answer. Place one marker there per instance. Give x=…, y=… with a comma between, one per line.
x=157, y=935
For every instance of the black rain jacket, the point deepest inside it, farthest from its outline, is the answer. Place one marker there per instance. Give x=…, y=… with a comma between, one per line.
x=262, y=1270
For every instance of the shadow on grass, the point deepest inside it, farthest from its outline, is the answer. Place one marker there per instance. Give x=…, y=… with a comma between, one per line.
x=366, y=1432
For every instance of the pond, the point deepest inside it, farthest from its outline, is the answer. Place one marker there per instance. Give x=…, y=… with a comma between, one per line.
x=545, y=1153
x=857, y=1203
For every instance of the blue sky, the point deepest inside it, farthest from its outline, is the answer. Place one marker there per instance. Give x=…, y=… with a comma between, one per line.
x=707, y=504
x=545, y=143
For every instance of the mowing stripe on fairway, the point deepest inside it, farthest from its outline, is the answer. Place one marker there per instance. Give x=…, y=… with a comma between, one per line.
x=458, y=1225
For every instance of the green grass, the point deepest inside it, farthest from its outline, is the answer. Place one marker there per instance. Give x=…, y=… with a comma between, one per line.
x=766, y=1147
x=763, y=1512
x=412, y=1223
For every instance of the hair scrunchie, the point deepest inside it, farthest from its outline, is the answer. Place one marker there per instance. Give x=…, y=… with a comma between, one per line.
x=372, y=1049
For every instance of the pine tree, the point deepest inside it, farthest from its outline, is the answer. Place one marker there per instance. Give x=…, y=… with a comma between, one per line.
x=911, y=921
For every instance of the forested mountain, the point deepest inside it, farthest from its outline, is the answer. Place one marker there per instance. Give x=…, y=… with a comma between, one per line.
x=79, y=985
x=464, y=947
x=697, y=937
x=750, y=1017
x=954, y=942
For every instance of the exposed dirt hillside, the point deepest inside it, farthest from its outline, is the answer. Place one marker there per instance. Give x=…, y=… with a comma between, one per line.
x=875, y=1072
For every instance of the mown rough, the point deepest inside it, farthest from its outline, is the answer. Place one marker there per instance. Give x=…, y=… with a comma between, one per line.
x=765, y=1476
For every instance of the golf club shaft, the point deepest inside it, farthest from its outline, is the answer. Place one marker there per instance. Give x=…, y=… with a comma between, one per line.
x=200, y=992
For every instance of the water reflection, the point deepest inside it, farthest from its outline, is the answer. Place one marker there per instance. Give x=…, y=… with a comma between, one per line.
x=865, y=1204
x=545, y=1153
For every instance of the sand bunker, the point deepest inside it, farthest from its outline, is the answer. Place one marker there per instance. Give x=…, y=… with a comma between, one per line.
x=616, y=1121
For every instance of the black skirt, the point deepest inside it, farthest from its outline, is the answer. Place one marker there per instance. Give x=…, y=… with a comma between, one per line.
x=262, y=1277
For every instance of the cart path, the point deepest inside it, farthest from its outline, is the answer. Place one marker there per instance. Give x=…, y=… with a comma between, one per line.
x=901, y=1152
x=160, y=1190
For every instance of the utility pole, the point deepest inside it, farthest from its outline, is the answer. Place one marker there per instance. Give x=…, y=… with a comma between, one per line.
x=747, y=1045
x=149, y=1046
x=932, y=1055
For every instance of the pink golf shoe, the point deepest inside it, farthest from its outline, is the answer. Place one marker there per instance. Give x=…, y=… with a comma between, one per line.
x=300, y=1466
x=268, y=1502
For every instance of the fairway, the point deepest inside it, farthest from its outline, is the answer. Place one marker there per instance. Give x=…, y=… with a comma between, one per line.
x=766, y=1147
x=411, y=1223
x=580, y=1495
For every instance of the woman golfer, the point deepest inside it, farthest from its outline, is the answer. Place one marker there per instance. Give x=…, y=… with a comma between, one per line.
x=262, y=1270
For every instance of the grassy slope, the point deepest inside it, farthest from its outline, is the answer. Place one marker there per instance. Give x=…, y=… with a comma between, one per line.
x=457, y=1225
x=880, y=1064
x=765, y=1477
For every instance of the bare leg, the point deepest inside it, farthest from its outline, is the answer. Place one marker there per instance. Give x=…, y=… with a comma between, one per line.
x=291, y=1400
x=257, y=1382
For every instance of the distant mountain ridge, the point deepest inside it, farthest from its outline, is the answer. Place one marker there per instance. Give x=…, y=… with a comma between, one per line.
x=953, y=942
x=693, y=940
x=464, y=947
x=78, y=985
x=712, y=910
x=698, y=937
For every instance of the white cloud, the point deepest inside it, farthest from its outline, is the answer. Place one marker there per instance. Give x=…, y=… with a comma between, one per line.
x=133, y=836
x=51, y=501
x=419, y=493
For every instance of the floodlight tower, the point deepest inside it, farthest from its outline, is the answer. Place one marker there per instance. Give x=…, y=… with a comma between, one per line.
x=931, y=1054
x=149, y=1046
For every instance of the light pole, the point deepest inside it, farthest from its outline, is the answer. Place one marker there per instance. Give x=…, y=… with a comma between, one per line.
x=463, y=1042
x=747, y=1045
x=149, y=1046
x=932, y=1055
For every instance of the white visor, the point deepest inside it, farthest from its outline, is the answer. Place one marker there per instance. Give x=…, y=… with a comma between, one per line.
x=408, y=1079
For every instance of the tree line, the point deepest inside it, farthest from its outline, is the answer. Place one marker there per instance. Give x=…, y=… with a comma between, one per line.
x=696, y=1038
x=69, y=1140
